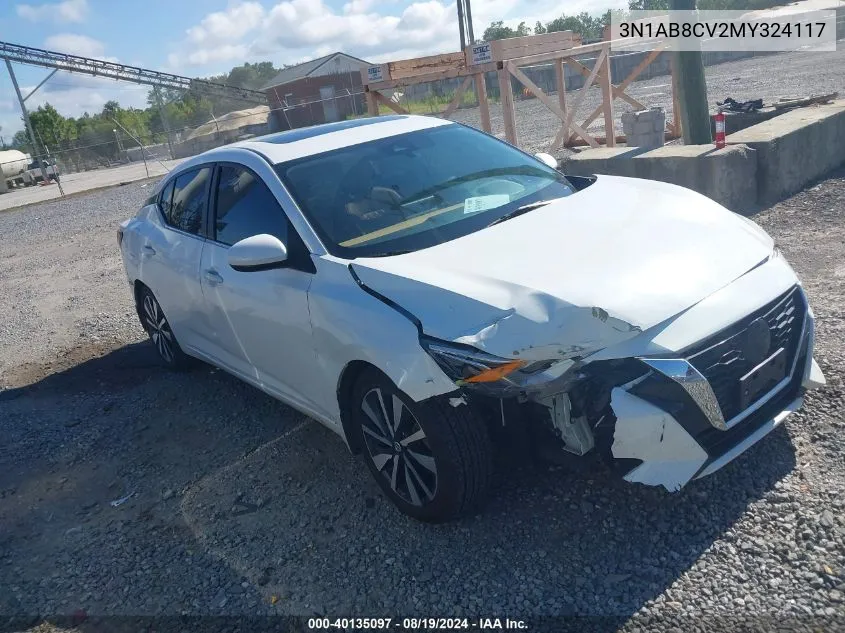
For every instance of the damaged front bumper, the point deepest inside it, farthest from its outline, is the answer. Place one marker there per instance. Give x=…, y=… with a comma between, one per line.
x=688, y=417
x=664, y=420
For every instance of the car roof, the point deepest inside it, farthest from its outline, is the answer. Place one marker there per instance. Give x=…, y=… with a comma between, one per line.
x=284, y=146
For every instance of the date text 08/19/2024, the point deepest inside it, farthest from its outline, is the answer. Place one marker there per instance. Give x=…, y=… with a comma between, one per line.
x=489, y=624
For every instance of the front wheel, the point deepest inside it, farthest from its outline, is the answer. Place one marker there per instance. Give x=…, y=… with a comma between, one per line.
x=432, y=460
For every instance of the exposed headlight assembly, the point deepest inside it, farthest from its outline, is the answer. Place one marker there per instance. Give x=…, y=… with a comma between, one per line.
x=470, y=367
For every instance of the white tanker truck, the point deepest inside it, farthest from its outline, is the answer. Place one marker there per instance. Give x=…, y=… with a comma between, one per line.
x=13, y=167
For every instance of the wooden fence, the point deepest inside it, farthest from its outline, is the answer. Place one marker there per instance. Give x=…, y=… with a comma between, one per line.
x=507, y=58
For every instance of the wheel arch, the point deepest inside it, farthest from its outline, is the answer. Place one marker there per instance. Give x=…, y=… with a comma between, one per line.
x=348, y=377
x=137, y=288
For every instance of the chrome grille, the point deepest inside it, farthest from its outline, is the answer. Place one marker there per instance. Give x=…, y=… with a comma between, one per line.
x=721, y=359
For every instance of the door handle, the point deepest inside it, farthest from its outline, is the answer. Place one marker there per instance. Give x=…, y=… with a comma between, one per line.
x=149, y=250
x=213, y=277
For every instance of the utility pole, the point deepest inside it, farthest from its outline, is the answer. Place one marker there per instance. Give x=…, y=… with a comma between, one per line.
x=26, y=119
x=468, y=12
x=163, y=115
x=691, y=88
x=460, y=5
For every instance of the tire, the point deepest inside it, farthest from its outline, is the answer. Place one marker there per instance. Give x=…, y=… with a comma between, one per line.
x=161, y=335
x=436, y=463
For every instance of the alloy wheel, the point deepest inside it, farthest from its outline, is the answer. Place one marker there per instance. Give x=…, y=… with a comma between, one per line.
x=158, y=328
x=398, y=447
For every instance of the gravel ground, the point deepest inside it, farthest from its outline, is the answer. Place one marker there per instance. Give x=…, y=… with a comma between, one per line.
x=237, y=505
x=766, y=77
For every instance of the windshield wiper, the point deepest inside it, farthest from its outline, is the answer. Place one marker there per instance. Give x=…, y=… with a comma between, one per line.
x=521, y=210
x=392, y=253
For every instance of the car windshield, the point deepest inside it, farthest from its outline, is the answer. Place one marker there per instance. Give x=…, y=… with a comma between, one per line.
x=412, y=191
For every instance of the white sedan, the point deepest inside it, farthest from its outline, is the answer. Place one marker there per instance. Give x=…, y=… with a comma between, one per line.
x=415, y=284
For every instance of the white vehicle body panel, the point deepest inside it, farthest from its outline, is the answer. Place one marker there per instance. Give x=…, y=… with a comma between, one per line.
x=624, y=268
x=336, y=322
x=584, y=273
x=262, y=325
x=711, y=314
x=351, y=325
x=169, y=262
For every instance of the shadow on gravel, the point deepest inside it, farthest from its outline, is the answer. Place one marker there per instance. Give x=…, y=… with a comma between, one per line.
x=117, y=427
x=110, y=369
x=301, y=519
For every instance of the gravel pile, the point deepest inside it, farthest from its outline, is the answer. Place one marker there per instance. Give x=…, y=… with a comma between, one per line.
x=128, y=490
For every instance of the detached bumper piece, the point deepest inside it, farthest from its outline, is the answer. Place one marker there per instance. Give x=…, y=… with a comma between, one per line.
x=690, y=416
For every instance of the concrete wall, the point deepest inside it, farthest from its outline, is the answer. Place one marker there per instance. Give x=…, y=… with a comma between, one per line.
x=795, y=148
x=151, y=152
x=727, y=176
x=761, y=165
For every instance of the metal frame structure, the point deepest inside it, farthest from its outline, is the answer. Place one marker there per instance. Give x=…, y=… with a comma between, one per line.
x=112, y=70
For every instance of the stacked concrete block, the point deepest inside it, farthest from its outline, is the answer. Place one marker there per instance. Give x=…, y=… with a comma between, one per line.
x=795, y=148
x=644, y=128
x=728, y=176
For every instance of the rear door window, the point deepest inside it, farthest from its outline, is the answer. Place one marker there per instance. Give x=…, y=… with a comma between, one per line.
x=164, y=200
x=190, y=197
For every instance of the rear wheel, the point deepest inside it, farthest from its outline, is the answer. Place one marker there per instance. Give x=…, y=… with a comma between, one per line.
x=433, y=460
x=158, y=328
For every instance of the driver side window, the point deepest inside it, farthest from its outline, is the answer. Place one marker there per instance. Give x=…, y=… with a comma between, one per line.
x=246, y=207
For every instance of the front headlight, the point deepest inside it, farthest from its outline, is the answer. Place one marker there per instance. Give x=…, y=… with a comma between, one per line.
x=470, y=367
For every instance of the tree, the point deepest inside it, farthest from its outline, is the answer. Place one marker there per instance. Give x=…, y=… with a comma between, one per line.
x=91, y=137
x=498, y=31
x=253, y=76
x=587, y=26
x=648, y=5
x=51, y=128
x=539, y=29
x=111, y=109
x=20, y=141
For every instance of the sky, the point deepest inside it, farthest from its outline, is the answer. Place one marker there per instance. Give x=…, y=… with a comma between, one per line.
x=199, y=38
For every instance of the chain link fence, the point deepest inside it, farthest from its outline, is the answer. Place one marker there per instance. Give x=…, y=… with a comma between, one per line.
x=113, y=144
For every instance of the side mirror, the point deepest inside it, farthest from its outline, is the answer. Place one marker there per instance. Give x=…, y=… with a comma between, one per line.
x=259, y=252
x=548, y=159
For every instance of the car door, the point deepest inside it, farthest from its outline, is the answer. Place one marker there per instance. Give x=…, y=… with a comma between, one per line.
x=171, y=253
x=261, y=318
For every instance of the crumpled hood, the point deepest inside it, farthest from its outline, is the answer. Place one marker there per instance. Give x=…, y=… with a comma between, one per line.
x=583, y=273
